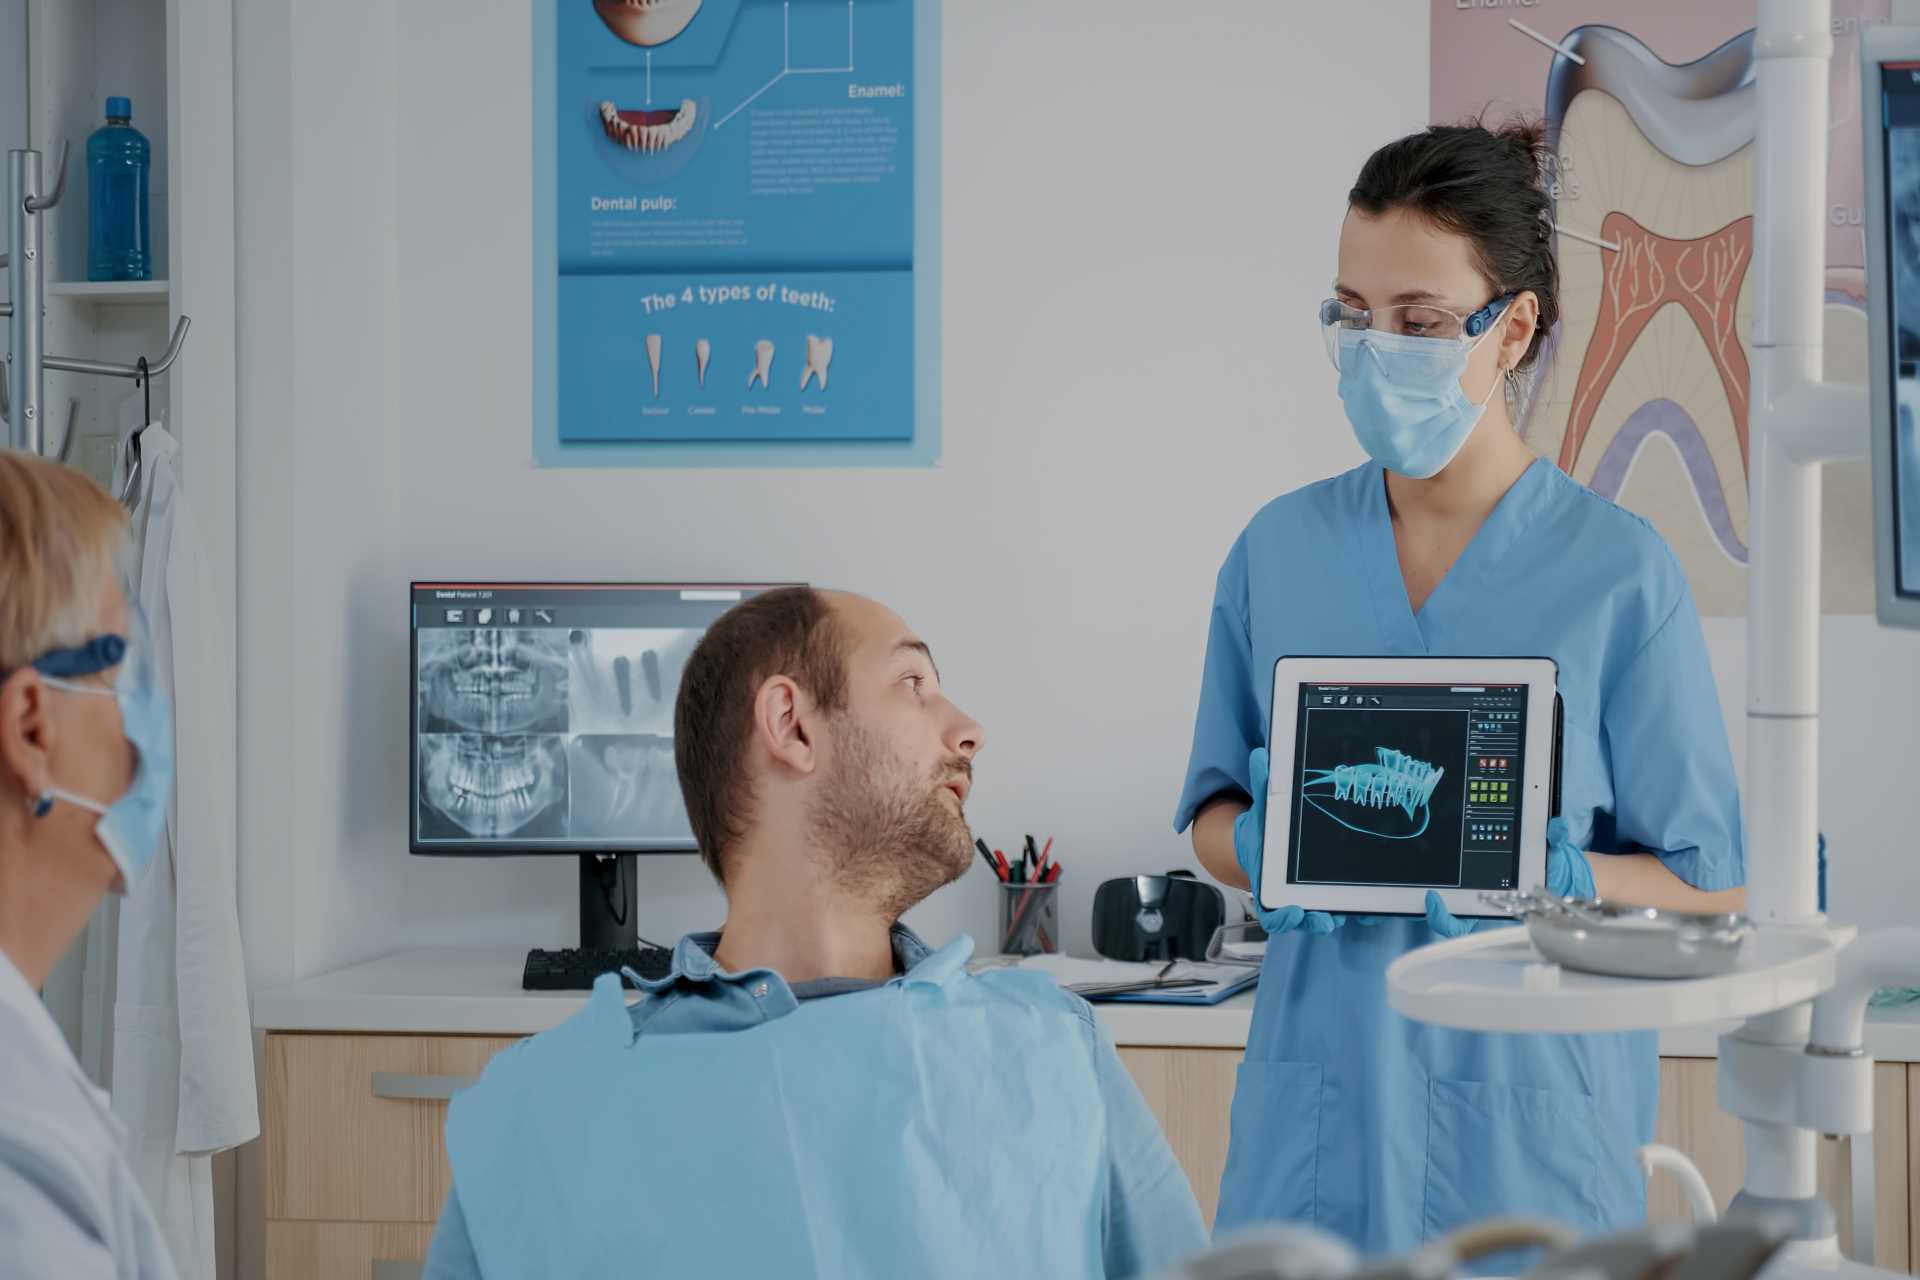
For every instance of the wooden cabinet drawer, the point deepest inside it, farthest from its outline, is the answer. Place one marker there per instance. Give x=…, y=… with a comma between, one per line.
x=1191, y=1093
x=355, y=1125
x=346, y=1250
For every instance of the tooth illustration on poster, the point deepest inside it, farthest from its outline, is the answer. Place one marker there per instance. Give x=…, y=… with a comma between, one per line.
x=819, y=356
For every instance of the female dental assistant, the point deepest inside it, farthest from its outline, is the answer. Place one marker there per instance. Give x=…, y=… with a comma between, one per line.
x=1454, y=539
x=86, y=760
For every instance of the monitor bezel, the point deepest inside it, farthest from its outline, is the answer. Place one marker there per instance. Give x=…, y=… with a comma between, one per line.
x=1879, y=45
x=503, y=848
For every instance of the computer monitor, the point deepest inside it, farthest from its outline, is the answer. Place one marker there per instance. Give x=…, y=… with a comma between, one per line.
x=542, y=723
x=1890, y=109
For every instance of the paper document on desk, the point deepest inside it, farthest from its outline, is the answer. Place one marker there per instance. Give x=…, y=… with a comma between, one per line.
x=1089, y=977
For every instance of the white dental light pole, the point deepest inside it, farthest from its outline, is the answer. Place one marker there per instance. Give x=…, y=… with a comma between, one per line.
x=1797, y=423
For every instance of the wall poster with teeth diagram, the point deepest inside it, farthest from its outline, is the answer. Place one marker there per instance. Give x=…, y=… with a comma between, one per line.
x=1651, y=108
x=736, y=232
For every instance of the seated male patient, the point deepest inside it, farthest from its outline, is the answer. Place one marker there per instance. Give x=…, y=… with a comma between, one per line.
x=813, y=1091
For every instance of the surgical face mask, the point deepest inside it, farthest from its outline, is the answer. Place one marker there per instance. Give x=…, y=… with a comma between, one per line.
x=1402, y=390
x=130, y=827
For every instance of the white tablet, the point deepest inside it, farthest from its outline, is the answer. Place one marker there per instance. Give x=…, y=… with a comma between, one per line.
x=1393, y=776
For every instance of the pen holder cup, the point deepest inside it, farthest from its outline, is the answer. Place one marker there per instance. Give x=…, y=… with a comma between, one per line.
x=1029, y=919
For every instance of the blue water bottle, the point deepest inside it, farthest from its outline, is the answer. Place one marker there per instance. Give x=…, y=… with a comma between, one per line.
x=118, y=159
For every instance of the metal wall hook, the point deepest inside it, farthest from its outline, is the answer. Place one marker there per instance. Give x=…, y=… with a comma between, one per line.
x=40, y=204
x=23, y=309
x=101, y=368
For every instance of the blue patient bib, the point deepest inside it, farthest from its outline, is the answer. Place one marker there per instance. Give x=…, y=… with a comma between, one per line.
x=943, y=1124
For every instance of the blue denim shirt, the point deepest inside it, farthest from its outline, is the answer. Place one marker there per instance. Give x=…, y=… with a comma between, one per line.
x=970, y=1120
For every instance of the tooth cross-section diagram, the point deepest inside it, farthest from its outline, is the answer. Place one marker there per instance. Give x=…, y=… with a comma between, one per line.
x=1643, y=389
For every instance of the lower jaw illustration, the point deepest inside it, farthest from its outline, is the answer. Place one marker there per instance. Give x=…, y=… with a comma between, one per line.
x=1390, y=799
x=647, y=130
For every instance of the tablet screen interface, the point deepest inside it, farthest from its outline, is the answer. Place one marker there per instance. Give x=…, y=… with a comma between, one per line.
x=1408, y=785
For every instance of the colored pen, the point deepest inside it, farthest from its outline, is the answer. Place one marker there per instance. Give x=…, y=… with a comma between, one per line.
x=1006, y=874
x=1053, y=876
x=987, y=856
x=1049, y=849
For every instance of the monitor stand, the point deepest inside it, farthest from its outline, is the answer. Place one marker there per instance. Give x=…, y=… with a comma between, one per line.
x=607, y=896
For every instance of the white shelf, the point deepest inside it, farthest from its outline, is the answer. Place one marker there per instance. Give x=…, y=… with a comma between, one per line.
x=128, y=293
x=1496, y=981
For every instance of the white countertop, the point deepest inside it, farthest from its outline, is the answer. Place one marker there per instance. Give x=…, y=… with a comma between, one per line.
x=476, y=991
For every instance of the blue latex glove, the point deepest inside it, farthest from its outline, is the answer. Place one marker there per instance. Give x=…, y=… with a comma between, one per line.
x=1249, y=837
x=1569, y=874
x=1443, y=921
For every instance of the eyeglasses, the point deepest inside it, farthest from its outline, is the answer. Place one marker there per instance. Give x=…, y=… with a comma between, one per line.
x=1407, y=321
x=109, y=658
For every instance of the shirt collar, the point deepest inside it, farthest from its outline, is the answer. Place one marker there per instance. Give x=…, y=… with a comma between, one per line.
x=697, y=995
x=694, y=965
x=18, y=997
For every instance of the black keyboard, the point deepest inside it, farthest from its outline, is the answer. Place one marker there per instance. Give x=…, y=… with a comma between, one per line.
x=574, y=969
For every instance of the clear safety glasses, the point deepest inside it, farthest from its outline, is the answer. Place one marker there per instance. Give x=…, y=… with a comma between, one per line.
x=114, y=666
x=1446, y=334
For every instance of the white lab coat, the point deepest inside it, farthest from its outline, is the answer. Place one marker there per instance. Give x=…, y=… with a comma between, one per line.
x=68, y=1203
x=182, y=1057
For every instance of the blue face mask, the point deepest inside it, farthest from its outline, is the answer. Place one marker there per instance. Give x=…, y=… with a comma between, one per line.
x=130, y=827
x=1402, y=395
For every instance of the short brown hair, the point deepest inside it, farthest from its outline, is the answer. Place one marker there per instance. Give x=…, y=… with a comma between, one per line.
x=790, y=632
x=60, y=534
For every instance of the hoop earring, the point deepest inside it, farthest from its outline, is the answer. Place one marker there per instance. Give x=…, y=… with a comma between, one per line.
x=42, y=804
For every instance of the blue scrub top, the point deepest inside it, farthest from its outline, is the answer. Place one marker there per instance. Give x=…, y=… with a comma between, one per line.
x=1348, y=1116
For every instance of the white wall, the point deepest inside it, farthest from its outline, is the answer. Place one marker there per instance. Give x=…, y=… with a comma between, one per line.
x=1138, y=219
x=1131, y=257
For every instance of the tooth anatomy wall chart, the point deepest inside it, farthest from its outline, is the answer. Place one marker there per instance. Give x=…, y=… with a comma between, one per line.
x=1650, y=108
x=736, y=257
